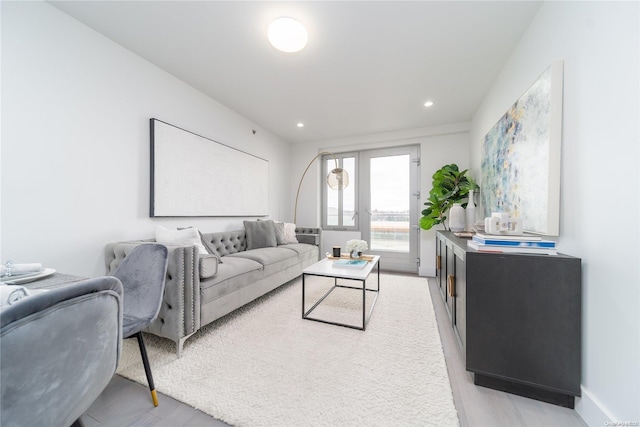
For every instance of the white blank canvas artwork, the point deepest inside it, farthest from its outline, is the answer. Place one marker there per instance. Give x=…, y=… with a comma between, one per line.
x=196, y=176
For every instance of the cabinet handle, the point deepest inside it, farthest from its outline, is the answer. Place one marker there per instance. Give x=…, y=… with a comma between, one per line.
x=438, y=262
x=451, y=285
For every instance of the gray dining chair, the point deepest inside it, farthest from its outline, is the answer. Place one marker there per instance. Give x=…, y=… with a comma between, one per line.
x=59, y=350
x=142, y=273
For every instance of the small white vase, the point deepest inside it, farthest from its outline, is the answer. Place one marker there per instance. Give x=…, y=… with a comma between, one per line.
x=470, y=212
x=456, y=217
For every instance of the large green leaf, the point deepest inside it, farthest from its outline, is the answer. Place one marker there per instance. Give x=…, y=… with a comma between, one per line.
x=450, y=185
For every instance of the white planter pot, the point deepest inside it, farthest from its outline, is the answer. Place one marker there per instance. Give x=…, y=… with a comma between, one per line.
x=456, y=217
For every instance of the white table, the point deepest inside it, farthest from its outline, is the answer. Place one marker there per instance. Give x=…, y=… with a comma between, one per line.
x=56, y=280
x=325, y=268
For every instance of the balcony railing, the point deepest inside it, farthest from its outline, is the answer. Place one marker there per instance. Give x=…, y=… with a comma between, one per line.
x=390, y=231
x=390, y=235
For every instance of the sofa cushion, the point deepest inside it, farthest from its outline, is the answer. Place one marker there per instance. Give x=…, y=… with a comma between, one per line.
x=300, y=248
x=207, y=266
x=305, y=252
x=272, y=259
x=260, y=234
x=234, y=274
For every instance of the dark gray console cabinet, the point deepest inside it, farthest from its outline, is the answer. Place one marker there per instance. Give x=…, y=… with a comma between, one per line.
x=517, y=318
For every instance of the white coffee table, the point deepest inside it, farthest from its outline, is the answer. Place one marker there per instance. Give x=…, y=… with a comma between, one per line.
x=325, y=268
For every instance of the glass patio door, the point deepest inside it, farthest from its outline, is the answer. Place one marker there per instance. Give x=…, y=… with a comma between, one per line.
x=389, y=206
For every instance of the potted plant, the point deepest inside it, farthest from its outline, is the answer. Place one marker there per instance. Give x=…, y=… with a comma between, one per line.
x=450, y=185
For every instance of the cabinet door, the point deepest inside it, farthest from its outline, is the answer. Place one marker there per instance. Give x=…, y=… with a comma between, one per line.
x=524, y=319
x=441, y=254
x=460, y=297
x=450, y=281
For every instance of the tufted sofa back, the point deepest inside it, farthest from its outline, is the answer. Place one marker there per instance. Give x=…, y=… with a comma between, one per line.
x=227, y=242
x=307, y=230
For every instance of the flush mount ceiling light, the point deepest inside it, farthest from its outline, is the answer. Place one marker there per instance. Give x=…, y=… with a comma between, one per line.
x=287, y=35
x=428, y=104
x=300, y=125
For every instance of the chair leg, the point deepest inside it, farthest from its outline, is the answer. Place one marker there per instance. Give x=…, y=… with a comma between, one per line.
x=147, y=368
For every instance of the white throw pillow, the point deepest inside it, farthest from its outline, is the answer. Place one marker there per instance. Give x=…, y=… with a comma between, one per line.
x=186, y=237
x=290, y=233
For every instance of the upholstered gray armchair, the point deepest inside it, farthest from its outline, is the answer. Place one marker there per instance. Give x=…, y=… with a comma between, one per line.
x=59, y=349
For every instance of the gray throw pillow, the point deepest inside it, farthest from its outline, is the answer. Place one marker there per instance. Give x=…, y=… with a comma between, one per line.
x=279, y=226
x=260, y=234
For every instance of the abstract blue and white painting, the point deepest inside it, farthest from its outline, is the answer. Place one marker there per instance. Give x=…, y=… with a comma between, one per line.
x=518, y=157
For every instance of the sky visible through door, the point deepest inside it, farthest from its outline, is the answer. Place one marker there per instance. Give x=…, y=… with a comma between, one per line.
x=390, y=203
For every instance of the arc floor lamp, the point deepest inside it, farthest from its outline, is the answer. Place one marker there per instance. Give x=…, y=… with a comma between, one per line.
x=337, y=179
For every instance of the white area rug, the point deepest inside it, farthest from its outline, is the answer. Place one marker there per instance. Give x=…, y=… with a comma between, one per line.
x=264, y=365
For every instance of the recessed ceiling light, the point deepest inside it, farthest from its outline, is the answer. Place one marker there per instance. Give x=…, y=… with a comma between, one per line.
x=287, y=34
x=428, y=104
x=300, y=125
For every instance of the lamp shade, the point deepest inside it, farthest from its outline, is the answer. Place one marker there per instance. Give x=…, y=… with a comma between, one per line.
x=338, y=179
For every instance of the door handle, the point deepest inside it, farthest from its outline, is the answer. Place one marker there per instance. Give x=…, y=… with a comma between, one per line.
x=451, y=285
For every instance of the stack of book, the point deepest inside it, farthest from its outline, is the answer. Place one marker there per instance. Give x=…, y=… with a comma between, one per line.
x=527, y=244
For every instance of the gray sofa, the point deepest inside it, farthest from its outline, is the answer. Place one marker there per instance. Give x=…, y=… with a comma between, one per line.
x=201, y=288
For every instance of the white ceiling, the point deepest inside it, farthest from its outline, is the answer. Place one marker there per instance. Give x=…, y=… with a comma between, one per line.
x=369, y=66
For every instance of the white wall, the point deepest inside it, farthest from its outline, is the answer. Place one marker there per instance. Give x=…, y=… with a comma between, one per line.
x=599, y=43
x=75, y=159
x=75, y=141
x=438, y=146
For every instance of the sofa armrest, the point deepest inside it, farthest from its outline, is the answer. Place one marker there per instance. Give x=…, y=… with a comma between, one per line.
x=179, y=314
x=312, y=239
x=310, y=235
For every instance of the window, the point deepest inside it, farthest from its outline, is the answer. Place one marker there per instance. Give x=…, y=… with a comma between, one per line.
x=340, y=206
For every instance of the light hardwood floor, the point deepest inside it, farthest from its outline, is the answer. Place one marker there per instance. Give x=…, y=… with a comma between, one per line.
x=480, y=406
x=125, y=403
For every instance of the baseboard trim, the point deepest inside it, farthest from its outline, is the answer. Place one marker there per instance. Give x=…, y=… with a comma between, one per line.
x=555, y=398
x=591, y=410
x=427, y=271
